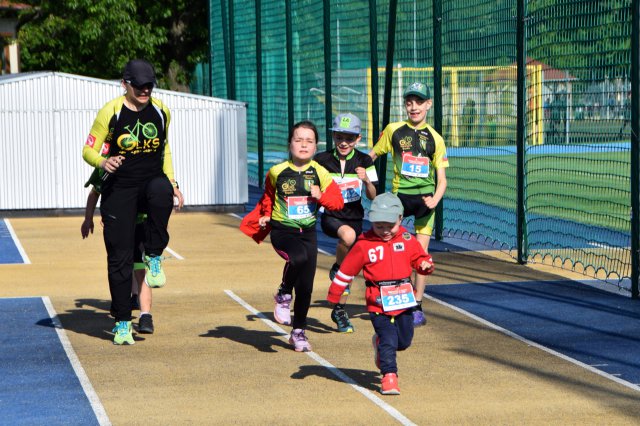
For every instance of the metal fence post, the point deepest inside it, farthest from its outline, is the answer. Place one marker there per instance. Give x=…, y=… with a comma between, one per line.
x=521, y=129
x=232, y=54
x=289, y=42
x=328, y=102
x=225, y=42
x=373, y=52
x=259, y=112
x=437, y=97
x=635, y=149
x=388, y=88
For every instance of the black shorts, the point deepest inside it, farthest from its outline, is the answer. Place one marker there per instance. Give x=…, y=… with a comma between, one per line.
x=414, y=205
x=330, y=225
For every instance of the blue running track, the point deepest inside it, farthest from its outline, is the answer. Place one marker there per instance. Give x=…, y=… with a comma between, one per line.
x=9, y=252
x=38, y=383
x=595, y=327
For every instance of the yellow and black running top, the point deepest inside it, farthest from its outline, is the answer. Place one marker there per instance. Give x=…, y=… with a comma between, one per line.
x=139, y=136
x=293, y=204
x=417, y=153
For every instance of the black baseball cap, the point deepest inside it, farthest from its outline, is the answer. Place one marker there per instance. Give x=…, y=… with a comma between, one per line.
x=139, y=72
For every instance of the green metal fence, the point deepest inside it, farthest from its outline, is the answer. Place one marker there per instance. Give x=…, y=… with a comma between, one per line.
x=532, y=97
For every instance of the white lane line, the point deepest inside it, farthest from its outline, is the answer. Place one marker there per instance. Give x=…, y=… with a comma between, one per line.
x=94, y=400
x=536, y=345
x=16, y=241
x=336, y=371
x=174, y=254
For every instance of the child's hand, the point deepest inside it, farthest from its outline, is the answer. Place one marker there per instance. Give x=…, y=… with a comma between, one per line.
x=86, y=228
x=362, y=174
x=430, y=202
x=178, y=199
x=263, y=221
x=426, y=267
x=316, y=192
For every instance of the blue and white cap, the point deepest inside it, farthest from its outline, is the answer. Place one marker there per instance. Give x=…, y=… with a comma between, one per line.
x=346, y=123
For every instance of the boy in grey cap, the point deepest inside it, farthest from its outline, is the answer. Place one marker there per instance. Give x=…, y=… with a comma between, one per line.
x=355, y=174
x=419, y=156
x=387, y=254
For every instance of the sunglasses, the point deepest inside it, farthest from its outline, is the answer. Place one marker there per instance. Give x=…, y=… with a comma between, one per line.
x=345, y=137
x=147, y=86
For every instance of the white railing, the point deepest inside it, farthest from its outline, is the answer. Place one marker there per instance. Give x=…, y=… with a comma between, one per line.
x=45, y=119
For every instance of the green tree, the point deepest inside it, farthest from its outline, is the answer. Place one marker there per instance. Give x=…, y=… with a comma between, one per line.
x=97, y=37
x=186, y=30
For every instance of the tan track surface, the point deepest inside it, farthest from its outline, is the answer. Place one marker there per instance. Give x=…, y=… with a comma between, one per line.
x=211, y=361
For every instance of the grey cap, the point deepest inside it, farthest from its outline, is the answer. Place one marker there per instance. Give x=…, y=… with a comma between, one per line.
x=417, y=89
x=385, y=208
x=346, y=123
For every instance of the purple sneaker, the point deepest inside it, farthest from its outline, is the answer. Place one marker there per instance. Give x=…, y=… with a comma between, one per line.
x=299, y=341
x=418, y=318
x=282, y=312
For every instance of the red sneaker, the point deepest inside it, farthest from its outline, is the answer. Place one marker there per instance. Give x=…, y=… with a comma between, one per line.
x=390, y=384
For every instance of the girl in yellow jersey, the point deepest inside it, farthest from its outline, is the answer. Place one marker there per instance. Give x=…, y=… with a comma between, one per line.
x=294, y=190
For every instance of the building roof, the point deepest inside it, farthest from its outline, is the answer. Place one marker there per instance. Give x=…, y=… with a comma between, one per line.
x=11, y=5
x=509, y=72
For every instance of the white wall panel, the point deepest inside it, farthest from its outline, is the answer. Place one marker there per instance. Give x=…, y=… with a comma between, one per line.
x=46, y=117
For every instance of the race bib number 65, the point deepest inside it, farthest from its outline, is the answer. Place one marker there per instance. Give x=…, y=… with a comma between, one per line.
x=301, y=207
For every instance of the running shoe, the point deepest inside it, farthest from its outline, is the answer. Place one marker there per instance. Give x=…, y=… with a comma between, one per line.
x=340, y=317
x=145, y=324
x=122, y=333
x=418, y=318
x=299, y=340
x=333, y=271
x=375, y=341
x=390, y=384
x=154, y=275
x=282, y=311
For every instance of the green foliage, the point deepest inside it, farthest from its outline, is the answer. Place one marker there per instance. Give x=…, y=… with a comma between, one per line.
x=590, y=38
x=97, y=37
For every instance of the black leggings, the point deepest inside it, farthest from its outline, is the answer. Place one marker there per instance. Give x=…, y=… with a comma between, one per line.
x=119, y=209
x=299, y=248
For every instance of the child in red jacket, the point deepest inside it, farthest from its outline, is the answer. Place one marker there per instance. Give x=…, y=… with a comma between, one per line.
x=387, y=254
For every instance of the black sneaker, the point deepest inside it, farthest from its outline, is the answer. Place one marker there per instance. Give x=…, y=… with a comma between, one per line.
x=145, y=324
x=340, y=317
